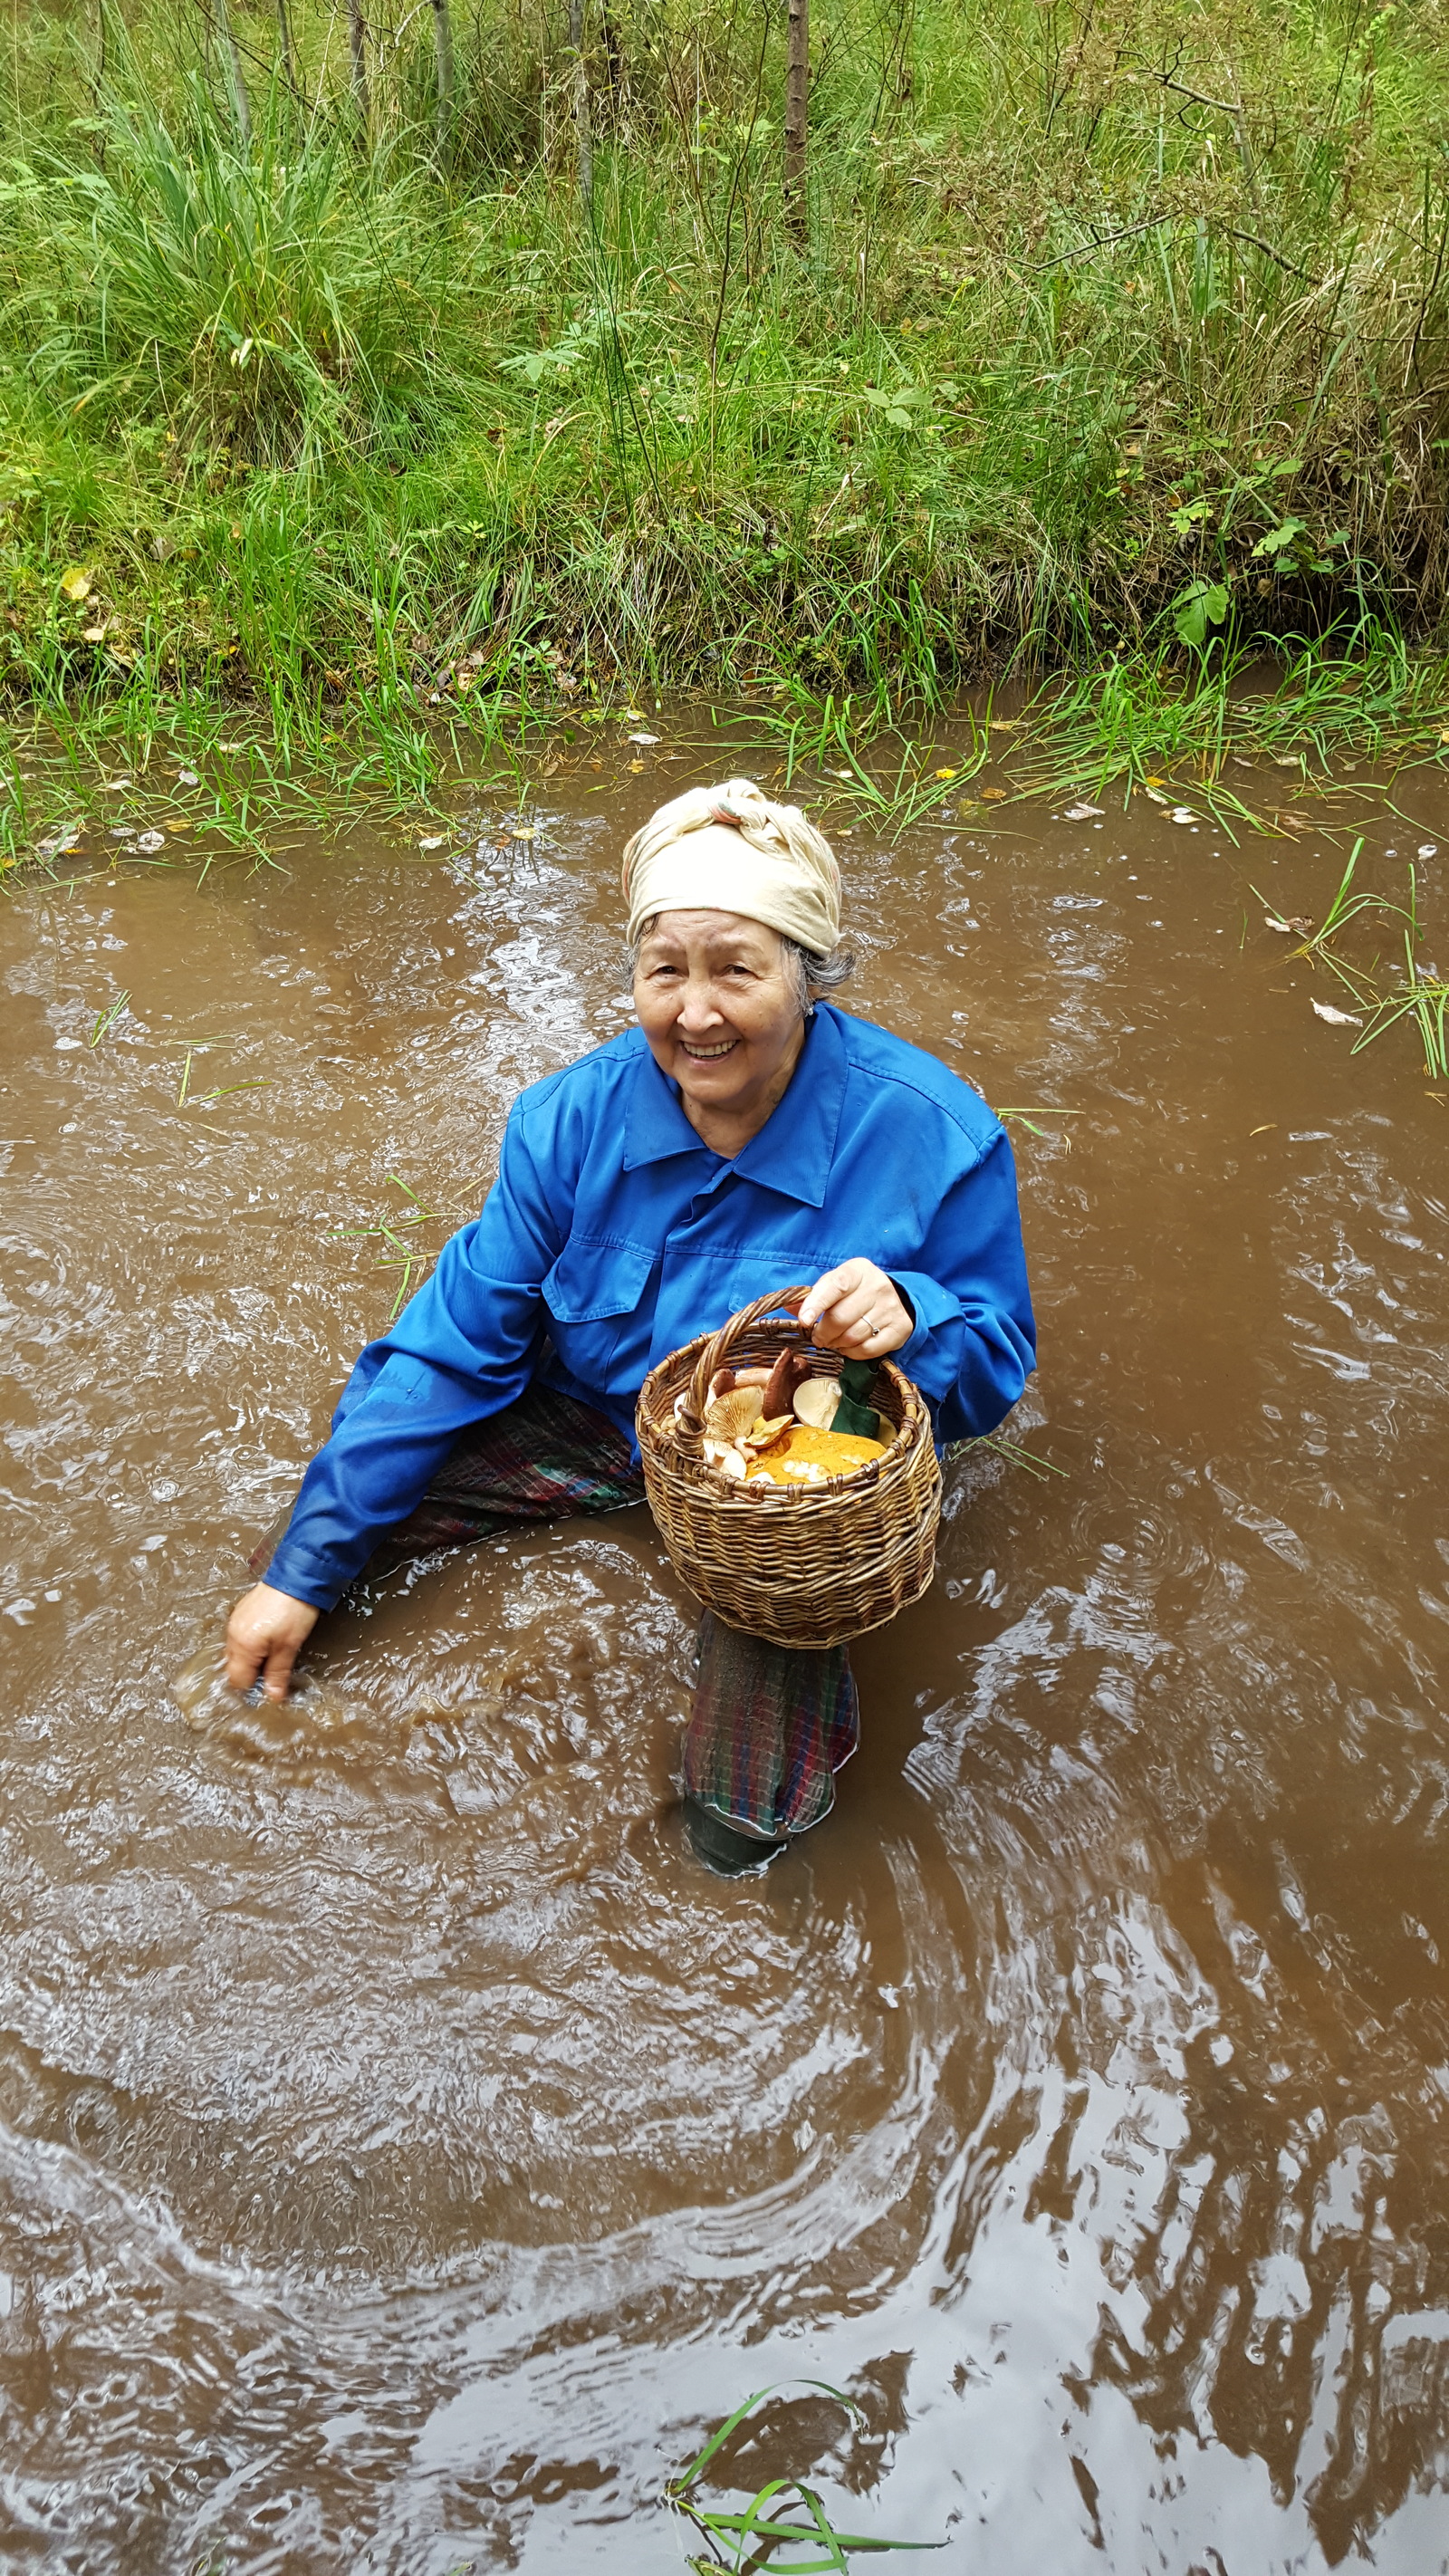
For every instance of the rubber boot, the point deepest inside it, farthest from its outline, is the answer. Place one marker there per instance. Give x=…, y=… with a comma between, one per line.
x=722, y=1846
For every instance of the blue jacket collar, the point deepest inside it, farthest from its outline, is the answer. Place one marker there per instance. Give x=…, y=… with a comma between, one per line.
x=794, y=1149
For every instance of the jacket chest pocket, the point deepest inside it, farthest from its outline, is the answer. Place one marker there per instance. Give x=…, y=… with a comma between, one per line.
x=593, y=1294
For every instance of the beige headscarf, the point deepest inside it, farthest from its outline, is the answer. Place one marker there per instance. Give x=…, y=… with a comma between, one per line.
x=728, y=849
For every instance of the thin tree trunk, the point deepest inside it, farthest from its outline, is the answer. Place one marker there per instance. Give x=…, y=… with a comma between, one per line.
x=443, y=57
x=797, y=113
x=241, y=104
x=284, y=38
x=357, y=45
x=583, y=129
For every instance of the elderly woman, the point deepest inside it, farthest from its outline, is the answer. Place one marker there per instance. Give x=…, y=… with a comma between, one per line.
x=744, y=1135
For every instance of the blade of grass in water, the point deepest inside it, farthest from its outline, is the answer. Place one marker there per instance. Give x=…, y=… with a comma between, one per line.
x=755, y=2534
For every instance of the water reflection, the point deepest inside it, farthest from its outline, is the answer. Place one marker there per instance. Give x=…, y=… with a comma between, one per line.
x=404, y=2149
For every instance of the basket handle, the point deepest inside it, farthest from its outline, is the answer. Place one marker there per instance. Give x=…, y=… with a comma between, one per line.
x=717, y=1350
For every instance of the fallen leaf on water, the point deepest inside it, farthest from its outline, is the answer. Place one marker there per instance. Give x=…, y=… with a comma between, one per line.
x=845, y=773
x=75, y=581
x=647, y=738
x=636, y=767
x=1340, y=1019
x=175, y=823
x=955, y=773
x=187, y=778
x=150, y=841
x=1082, y=813
x=1005, y=724
x=529, y=831
x=993, y=796
x=432, y=841
x=633, y=715
x=1154, y=782
x=1268, y=1129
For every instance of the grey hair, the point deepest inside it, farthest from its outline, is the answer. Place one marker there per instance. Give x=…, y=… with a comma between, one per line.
x=813, y=976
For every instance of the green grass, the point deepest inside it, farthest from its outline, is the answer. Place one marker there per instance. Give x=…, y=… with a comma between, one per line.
x=749, y=2541
x=1115, y=354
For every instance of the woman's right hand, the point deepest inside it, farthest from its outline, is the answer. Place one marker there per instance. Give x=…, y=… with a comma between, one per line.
x=265, y=1634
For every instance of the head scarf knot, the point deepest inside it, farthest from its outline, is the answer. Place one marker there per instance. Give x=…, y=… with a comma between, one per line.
x=728, y=849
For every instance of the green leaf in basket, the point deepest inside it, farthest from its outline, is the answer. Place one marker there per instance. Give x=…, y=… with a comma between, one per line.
x=853, y=1414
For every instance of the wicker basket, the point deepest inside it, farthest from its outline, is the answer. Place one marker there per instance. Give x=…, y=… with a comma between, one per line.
x=805, y=1565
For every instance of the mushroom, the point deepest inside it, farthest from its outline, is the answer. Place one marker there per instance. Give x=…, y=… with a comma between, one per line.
x=817, y=1402
x=725, y=1380
x=730, y=1416
x=726, y=1457
x=789, y=1371
x=763, y=1434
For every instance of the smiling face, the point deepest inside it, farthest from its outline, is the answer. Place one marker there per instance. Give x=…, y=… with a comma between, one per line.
x=720, y=1007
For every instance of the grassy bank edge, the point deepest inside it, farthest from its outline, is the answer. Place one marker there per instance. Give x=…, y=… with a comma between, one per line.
x=1186, y=734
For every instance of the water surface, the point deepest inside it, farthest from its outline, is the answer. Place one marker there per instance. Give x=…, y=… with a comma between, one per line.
x=406, y=2151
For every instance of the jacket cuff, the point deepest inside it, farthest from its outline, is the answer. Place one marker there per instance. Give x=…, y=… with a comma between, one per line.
x=930, y=1303
x=305, y=1576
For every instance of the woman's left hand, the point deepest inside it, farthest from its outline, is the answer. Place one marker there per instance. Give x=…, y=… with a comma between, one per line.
x=856, y=1309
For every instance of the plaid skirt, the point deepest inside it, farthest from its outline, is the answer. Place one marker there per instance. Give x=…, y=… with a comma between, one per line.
x=770, y=1726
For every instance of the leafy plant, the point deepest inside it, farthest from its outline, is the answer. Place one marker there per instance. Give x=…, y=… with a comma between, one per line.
x=1201, y=605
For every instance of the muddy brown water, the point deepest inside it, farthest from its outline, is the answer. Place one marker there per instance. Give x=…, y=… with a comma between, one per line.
x=406, y=2152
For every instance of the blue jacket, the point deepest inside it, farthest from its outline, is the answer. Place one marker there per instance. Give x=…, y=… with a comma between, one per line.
x=612, y=1235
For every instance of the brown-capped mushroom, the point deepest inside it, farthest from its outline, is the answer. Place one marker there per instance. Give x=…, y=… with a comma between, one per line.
x=789, y=1371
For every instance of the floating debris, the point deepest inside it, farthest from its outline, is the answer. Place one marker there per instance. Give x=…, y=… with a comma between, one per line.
x=1339, y=1019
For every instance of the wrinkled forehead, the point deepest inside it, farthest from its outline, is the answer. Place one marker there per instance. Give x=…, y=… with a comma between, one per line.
x=708, y=934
